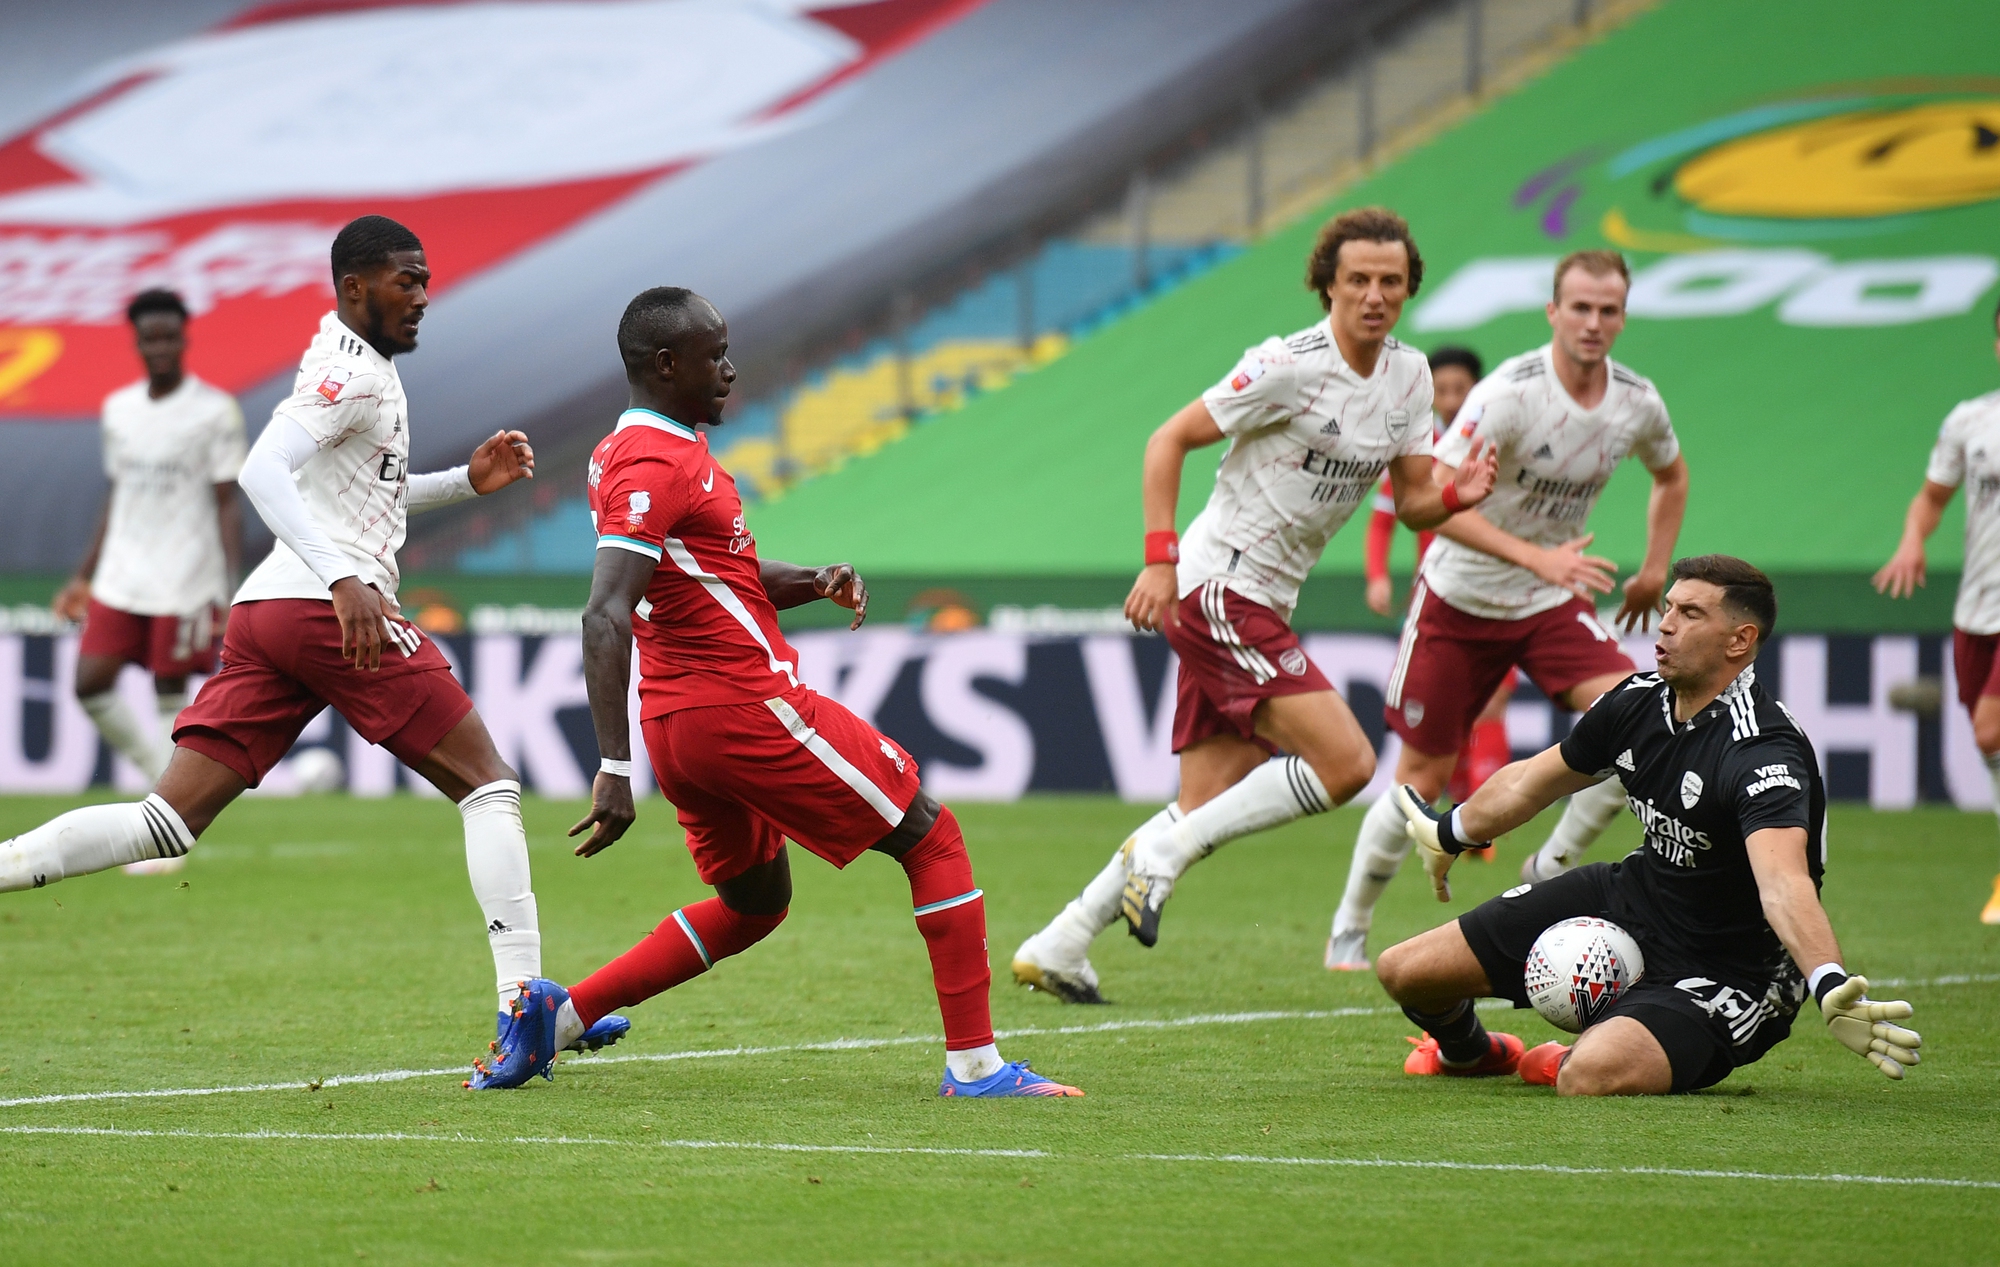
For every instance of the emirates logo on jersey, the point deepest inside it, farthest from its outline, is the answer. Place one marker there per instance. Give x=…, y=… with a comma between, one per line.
x=332, y=385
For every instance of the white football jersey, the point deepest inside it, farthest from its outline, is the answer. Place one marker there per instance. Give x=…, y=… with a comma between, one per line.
x=1968, y=453
x=1555, y=458
x=1309, y=438
x=162, y=552
x=349, y=398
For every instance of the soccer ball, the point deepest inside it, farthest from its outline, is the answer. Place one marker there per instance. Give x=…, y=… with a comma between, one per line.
x=1578, y=969
x=319, y=770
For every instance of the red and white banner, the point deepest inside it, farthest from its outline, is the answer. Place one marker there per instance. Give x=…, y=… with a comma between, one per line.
x=221, y=166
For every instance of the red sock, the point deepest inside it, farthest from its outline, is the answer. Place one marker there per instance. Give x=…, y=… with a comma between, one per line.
x=1488, y=751
x=685, y=945
x=951, y=914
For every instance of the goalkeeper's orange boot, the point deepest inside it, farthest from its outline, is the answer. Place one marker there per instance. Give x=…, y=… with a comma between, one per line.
x=1503, y=1055
x=1991, y=915
x=1540, y=1065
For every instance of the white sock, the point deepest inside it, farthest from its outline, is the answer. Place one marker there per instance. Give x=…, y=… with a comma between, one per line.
x=120, y=728
x=1379, y=851
x=1584, y=819
x=1276, y=792
x=170, y=704
x=1066, y=940
x=569, y=1026
x=93, y=838
x=496, y=857
x=975, y=1063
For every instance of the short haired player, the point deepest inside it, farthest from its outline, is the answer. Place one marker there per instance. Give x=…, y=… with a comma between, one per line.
x=1511, y=585
x=1312, y=422
x=169, y=543
x=316, y=624
x=1722, y=898
x=1967, y=452
x=747, y=753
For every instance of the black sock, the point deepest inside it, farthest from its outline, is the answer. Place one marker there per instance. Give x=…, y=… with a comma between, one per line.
x=1461, y=1038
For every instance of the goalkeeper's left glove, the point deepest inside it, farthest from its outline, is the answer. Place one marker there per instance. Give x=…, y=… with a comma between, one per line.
x=1861, y=1024
x=1435, y=835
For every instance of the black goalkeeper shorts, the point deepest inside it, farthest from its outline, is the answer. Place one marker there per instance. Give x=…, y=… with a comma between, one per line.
x=1706, y=1028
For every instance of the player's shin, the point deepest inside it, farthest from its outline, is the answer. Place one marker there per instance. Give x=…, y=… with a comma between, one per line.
x=951, y=914
x=496, y=859
x=93, y=838
x=1276, y=792
x=686, y=944
x=1379, y=850
x=1461, y=1039
x=1583, y=820
x=119, y=725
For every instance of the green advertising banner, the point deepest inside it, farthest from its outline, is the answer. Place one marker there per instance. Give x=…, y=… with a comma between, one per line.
x=1809, y=196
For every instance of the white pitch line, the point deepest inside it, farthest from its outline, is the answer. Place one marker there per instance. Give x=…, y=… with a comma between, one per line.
x=1229, y=1159
x=701, y=1053
x=836, y=1044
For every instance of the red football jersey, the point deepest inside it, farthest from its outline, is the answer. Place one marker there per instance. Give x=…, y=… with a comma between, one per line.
x=706, y=630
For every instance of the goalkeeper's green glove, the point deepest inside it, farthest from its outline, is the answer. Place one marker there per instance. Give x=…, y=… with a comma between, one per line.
x=1435, y=835
x=1861, y=1024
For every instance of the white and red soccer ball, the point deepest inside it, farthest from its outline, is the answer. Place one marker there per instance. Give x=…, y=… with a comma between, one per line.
x=1577, y=969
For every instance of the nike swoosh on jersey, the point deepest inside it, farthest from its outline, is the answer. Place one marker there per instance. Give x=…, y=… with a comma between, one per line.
x=708, y=485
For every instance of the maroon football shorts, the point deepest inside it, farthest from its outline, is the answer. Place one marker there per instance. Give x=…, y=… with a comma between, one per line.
x=1450, y=662
x=1974, y=662
x=1234, y=654
x=281, y=665
x=743, y=777
x=165, y=646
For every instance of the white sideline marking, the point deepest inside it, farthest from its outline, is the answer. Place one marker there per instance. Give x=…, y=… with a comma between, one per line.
x=836, y=1044
x=706, y=1053
x=1235, y=1159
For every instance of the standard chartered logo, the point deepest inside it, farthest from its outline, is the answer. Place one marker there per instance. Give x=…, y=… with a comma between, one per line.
x=1804, y=288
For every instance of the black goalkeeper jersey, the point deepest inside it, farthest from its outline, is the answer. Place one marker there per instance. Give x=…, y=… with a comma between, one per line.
x=1698, y=788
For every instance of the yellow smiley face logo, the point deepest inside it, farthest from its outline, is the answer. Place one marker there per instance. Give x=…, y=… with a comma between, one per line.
x=1850, y=166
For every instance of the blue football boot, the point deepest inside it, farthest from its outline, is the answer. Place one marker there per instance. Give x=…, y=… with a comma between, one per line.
x=1014, y=1078
x=608, y=1030
x=527, y=1042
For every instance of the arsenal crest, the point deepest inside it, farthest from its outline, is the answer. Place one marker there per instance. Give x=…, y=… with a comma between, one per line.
x=1293, y=661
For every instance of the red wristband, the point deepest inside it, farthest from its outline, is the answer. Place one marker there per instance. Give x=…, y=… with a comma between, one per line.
x=1162, y=547
x=1451, y=502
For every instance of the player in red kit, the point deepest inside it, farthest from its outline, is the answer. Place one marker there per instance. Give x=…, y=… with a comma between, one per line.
x=747, y=754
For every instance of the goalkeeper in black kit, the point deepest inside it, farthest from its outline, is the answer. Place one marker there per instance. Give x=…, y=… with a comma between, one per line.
x=1722, y=898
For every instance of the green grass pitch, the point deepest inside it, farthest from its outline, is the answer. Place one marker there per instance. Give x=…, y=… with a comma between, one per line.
x=322, y=938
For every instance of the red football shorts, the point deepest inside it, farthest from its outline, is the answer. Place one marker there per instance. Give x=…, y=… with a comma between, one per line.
x=281, y=665
x=165, y=646
x=745, y=776
x=1977, y=667
x=1450, y=662
x=1234, y=654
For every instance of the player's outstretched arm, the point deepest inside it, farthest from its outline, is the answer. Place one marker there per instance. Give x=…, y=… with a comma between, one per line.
x=1666, y=507
x=1511, y=797
x=1155, y=596
x=1427, y=492
x=790, y=585
x=1792, y=908
x=617, y=584
x=1903, y=574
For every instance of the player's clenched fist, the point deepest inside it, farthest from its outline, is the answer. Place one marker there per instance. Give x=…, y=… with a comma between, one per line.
x=1154, y=598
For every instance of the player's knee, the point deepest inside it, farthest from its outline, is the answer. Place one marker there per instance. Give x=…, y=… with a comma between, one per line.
x=1395, y=968
x=1986, y=733
x=1602, y=1070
